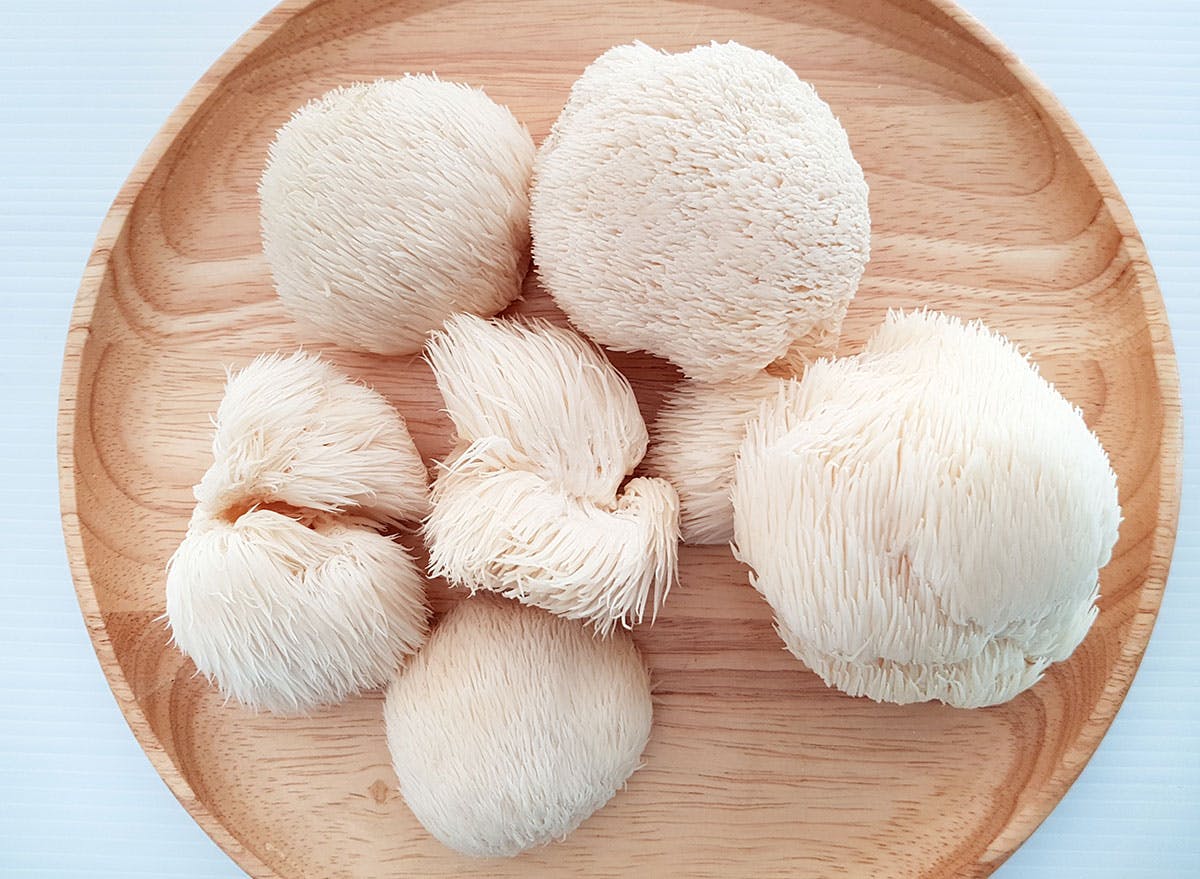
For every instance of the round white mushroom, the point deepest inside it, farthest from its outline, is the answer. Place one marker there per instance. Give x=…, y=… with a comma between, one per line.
x=512, y=726
x=287, y=616
x=927, y=519
x=388, y=206
x=287, y=591
x=531, y=503
x=704, y=207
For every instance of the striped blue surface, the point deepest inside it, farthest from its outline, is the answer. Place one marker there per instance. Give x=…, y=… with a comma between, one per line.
x=84, y=85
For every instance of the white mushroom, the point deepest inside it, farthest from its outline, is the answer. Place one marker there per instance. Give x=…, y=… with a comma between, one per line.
x=294, y=430
x=927, y=519
x=286, y=617
x=512, y=726
x=287, y=591
x=548, y=392
x=388, y=206
x=500, y=526
x=704, y=207
x=531, y=503
x=696, y=439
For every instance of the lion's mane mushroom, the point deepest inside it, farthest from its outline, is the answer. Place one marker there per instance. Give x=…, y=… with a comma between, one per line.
x=704, y=207
x=512, y=726
x=696, y=438
x=530, y=505
x=499, y=525
x=546, y=390
x=928, y=518
x=388, y=206
x=294, y=430
x=287, y=592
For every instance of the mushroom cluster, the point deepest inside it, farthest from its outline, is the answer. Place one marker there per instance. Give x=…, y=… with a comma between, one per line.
x=927, y=518
x=704, y=207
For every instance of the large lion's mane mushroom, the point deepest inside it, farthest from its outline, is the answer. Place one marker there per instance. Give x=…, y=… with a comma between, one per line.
x=388, y=206
x=512, y=726
x=704, y=207
x=928, y=518
x=531, y=503
x=287, y=590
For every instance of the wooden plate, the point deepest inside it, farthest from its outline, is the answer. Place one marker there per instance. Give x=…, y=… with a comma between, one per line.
x=987, y=202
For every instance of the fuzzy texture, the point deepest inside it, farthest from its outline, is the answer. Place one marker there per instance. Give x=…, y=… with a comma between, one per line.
x=386, y=207
x=927, y=519
x=511, y=727
x=294, y=430
x=542, y=546
x=286, y=592
x=531, y=505
x=287, y=618
x=697, y=434
x=704, y=207
x=552, y=395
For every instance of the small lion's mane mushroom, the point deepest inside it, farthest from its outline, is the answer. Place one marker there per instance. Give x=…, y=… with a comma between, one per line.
x=547, y=391
x=287, y=618
x=512, y=726
x=294, y=430
x=704, y=207
x=928, y=518
x=531, y=504
x=386, y=207
x=697, y=434
x=287, y=591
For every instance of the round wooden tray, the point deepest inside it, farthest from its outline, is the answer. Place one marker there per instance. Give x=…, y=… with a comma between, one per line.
x=987, y=202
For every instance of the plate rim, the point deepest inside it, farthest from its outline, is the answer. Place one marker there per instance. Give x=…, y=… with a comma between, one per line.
x=1021, y=824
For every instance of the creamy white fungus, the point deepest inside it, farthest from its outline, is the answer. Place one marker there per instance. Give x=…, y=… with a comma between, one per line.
x=927, y=519
x=287, y=616
x=697, y=434
x=531, y=502
x=547, y=391
x=499, y=526
x=294, y=430
x=386, y=207
x=704, y=207
x=512, y=726
x=287, y=590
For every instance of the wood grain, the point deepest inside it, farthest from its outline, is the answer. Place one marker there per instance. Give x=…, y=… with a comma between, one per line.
x=987, y=202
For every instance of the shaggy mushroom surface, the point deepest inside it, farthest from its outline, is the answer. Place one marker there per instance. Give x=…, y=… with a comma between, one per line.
x=288, y=590
x=512, y=726
x=928, y=518
x=704, y=207
x=388, y=206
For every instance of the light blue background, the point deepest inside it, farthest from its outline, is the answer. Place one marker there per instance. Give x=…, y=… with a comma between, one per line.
x=84, y=85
